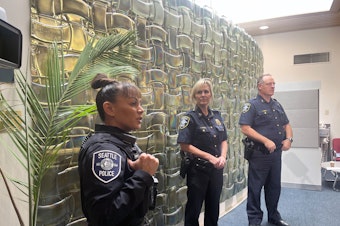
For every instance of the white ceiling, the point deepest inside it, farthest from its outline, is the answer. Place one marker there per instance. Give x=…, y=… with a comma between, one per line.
x=241, y=11
x=328, y=18
x=309, y=17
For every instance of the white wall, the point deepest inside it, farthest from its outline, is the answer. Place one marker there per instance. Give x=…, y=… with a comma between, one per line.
x=18, y=15
x=278, y=52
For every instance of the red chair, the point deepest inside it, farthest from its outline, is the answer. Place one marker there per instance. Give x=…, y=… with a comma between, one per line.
x=336, y=149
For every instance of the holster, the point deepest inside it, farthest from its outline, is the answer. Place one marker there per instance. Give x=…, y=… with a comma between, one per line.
x=249, y=148
x=185, y=164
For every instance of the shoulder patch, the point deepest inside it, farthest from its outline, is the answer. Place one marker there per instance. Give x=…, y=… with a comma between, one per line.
x=246, y=107
x=184, y=122
x=106, y=165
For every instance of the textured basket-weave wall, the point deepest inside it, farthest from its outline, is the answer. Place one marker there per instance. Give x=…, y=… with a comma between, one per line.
x=181, y=43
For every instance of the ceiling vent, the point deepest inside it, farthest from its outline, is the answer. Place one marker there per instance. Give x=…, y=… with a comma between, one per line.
x=311, y=58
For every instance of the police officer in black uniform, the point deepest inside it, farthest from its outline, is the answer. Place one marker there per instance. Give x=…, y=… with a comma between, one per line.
x=203, y=138
x=264, y=121
x=116, y=178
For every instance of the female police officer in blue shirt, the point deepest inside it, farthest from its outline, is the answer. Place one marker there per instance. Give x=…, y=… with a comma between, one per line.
x=264, y=121
x=115, y=176
x=203, y=138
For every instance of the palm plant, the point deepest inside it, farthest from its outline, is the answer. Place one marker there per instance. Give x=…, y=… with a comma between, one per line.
x=44, y=128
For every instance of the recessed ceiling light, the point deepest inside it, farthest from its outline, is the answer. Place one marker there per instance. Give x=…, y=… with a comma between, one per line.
x=263, y=27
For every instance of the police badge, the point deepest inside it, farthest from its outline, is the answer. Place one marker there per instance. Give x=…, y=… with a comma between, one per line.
x=218, y=122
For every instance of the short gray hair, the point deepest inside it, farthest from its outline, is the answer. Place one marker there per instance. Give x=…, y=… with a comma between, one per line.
x=260, y=79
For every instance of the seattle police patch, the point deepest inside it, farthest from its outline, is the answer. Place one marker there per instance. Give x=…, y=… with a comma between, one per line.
x=246, y=108
x=184, y=122
x=106, y=165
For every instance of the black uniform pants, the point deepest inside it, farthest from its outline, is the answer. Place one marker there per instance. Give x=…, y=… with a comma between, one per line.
x=264, y=171
x=203, y=187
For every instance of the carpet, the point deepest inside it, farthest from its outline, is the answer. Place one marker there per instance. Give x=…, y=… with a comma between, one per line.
x=298, y=207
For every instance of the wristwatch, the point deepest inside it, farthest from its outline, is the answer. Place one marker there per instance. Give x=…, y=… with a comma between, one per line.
x=290, y=139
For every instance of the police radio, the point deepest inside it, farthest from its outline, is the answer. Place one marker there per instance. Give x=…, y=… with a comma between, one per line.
x=153, y=194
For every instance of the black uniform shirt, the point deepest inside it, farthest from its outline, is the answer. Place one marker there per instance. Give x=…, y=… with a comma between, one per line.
x=203, y=132
x=111, y=192
x=266, y=118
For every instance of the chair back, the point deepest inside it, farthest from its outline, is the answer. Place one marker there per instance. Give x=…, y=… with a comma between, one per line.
x=336, y=148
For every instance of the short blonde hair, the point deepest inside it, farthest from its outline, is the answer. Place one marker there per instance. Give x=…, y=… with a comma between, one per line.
x=198, y=85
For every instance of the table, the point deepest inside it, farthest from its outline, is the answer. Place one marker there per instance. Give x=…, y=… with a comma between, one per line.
x=334, y=170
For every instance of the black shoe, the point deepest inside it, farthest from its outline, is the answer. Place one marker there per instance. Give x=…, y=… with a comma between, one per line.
x=279, y=223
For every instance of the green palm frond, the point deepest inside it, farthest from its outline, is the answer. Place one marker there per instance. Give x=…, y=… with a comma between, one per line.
x=93, y=60
x=44, y=128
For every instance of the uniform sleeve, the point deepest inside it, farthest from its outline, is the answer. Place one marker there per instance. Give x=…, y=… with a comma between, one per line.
x=284, y=116
x=247, y=115
x=225, y=134
x=185, y=128
x=108, y=194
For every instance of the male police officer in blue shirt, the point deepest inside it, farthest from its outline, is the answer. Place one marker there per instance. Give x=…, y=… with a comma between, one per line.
x=264, y=121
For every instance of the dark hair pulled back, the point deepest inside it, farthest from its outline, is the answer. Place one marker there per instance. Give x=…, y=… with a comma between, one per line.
x=110, y=89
